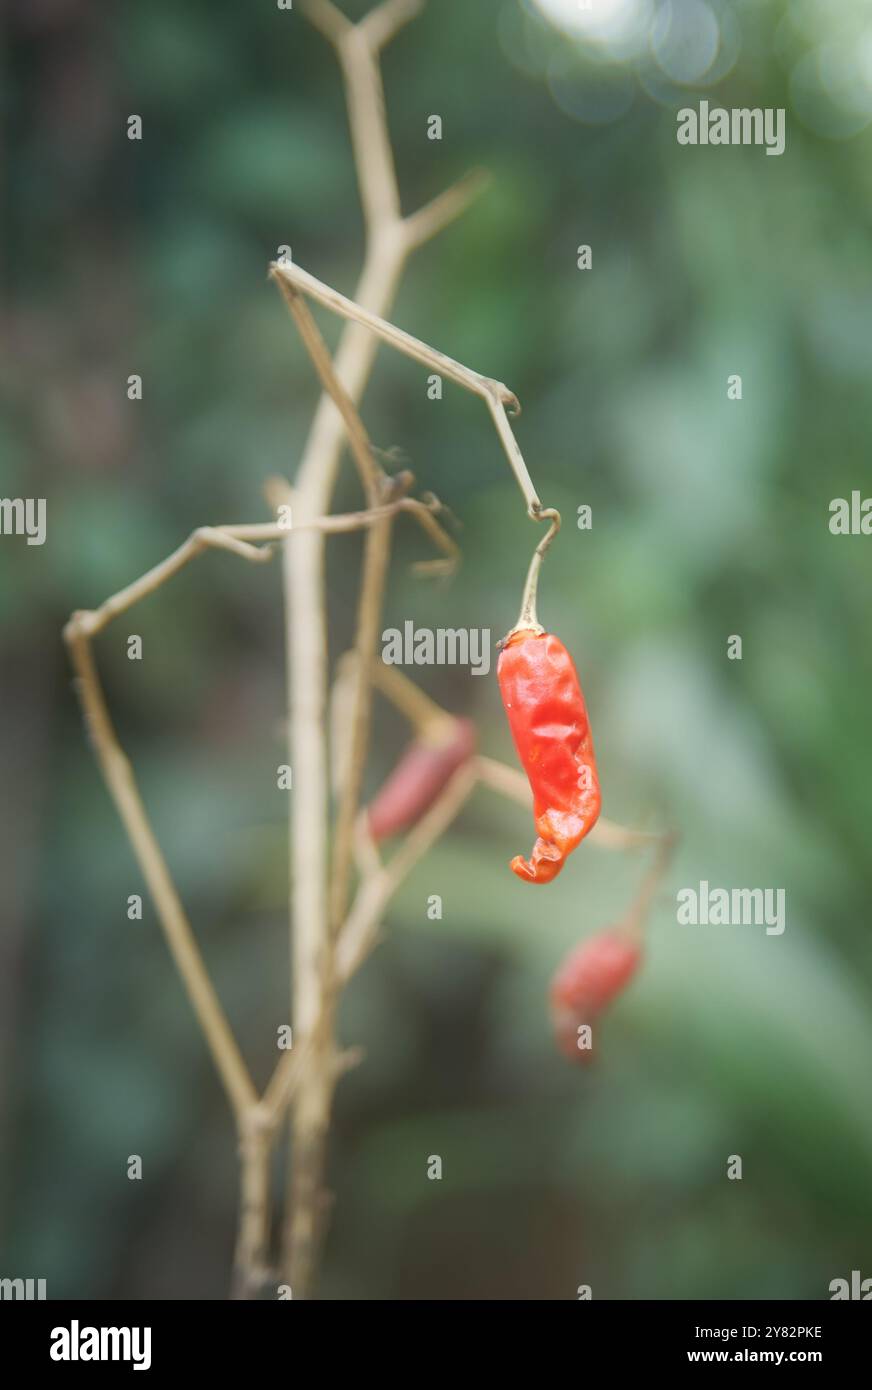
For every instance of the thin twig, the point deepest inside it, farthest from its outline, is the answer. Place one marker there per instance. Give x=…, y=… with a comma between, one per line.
x=429, y=220
x=223, y=538
x=425, y=515
x=121, y=782
x=374, y=575
x=398, y=338
x=496, y=395
x=360, y=932
x=233, y=539
x=317, y=350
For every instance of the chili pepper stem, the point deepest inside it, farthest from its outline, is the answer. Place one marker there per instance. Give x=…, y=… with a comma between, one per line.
x=528, y=620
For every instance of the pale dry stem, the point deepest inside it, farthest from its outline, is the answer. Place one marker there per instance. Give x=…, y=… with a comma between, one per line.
x=389, y=241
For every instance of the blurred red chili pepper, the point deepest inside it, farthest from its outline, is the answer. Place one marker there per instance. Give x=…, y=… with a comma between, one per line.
x=587, y=982
x=549, y=724
x=422, y=772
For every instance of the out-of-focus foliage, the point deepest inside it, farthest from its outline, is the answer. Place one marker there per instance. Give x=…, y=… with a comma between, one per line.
x=710, y=519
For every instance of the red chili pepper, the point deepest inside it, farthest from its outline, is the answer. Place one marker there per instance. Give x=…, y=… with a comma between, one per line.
x=587, y=982
x=549, y=724
x=418, y=778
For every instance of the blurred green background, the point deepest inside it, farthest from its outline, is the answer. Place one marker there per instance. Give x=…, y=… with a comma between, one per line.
x=710, y=519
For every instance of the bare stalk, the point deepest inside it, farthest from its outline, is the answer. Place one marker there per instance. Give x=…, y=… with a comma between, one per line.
x=121, y=782
x=388, y=243
x=251, y=1263
x=310, y=1205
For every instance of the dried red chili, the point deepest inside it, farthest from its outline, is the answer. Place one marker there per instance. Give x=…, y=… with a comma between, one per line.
x=549, y=724
x=587, y=982
x=423, y=770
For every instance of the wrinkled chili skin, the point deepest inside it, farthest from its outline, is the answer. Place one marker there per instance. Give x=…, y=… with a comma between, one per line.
x=548, y=719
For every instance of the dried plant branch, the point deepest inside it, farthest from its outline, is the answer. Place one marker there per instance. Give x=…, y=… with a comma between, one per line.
x=388, y=245
x=424, y=514
x=234, y=539
x=375, y=568
x=255, y=1121
x=251, y=1260
x=357, y=47
x=380, y=199
x=324, y=16
x=222, y=538
x=361, y=930
x=121, y=782
x=384, y=23
x=428, y=221
x=306, y=1218
x=398, y=338
x=317, y=349
x=496, y=395
x=285, y=1080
